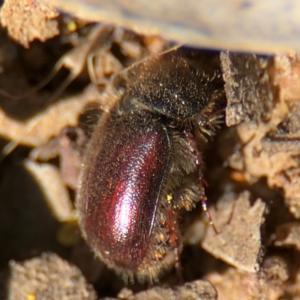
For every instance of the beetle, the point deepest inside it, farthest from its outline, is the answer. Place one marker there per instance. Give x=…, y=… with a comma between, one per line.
x=144, y=164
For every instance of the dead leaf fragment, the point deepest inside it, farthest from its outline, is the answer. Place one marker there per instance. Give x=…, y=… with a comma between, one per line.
x=239, y=241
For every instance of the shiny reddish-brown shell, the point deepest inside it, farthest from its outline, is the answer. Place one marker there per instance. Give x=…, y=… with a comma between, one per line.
x=121, y=189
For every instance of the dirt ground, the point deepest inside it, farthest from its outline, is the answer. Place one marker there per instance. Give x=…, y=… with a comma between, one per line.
x=55, y=72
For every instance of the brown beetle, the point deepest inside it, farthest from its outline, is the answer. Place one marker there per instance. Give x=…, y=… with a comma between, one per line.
x=138, y=159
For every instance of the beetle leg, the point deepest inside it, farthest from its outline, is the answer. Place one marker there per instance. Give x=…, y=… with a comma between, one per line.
x=202, y=182
x=175, y=239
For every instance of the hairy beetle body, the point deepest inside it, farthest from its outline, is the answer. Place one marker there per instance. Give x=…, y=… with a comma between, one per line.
x=138, y=157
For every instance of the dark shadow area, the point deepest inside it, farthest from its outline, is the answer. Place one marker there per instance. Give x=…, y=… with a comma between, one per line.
x=196, y=263
x=27, y=227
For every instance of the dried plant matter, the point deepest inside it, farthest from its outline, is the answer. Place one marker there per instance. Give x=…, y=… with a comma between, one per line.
x=29, y=20
x=48, y=277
